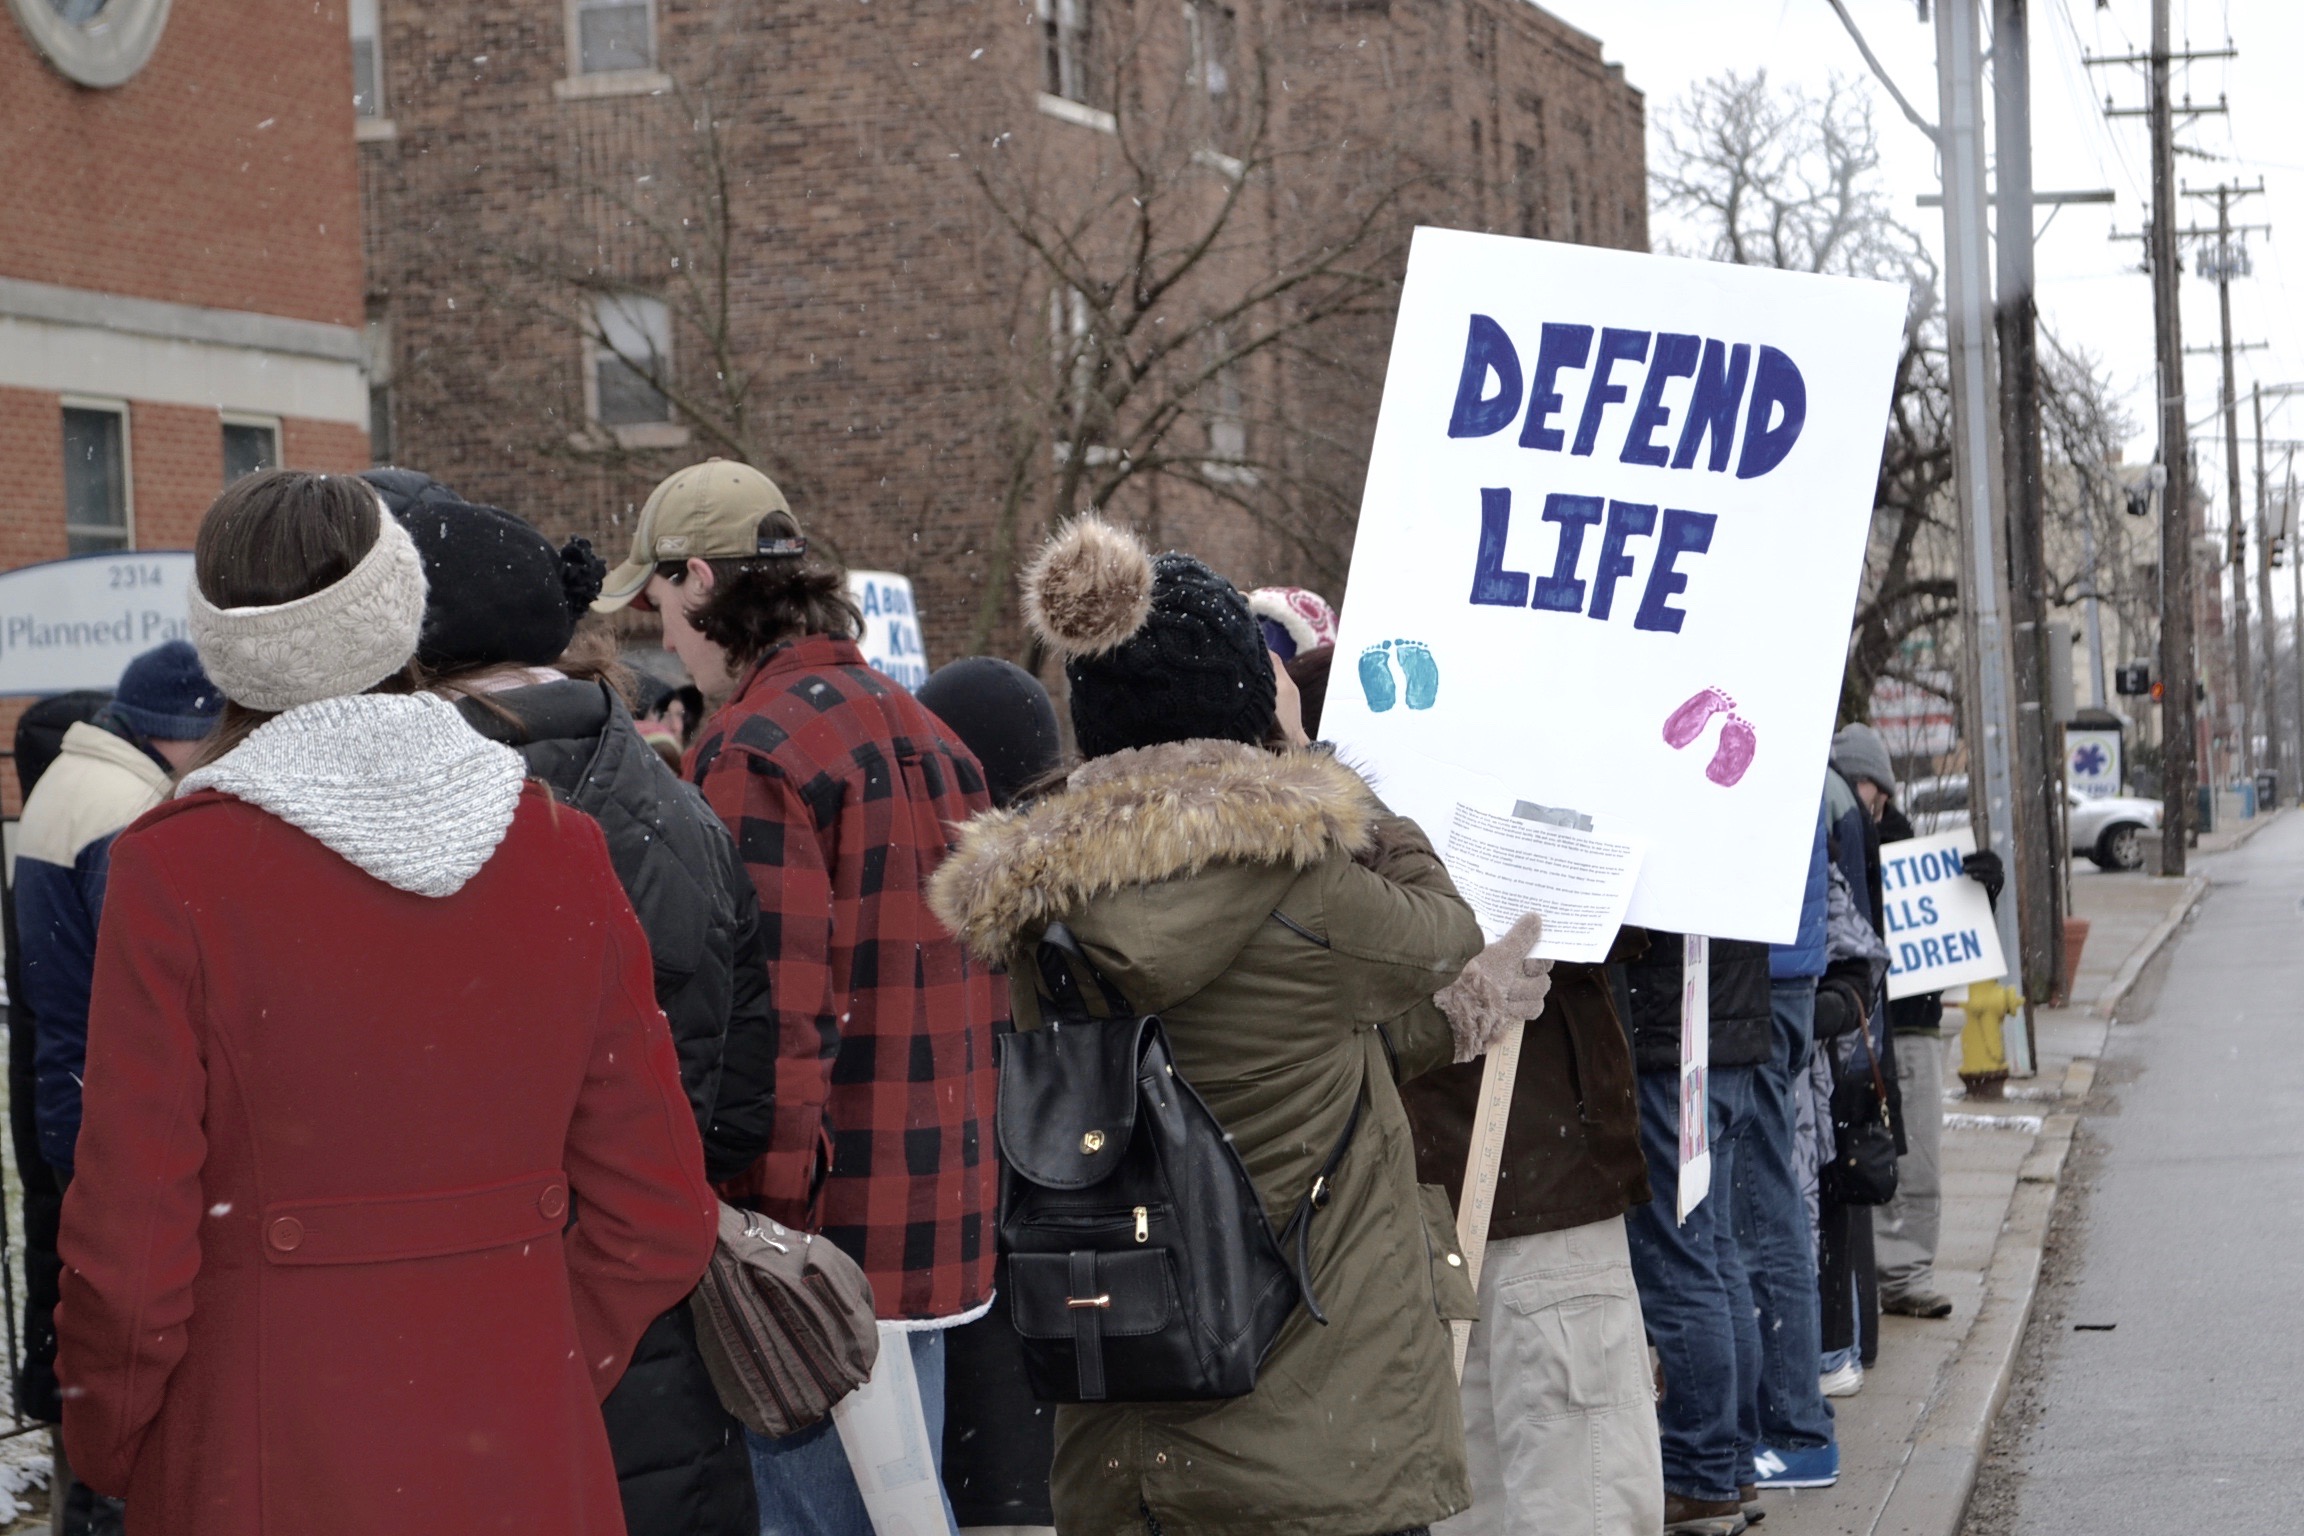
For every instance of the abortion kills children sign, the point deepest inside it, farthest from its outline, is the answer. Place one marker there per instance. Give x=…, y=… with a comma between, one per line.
x=76, y=623
x=1608, y=552
x=1940, y=928
x=891, y=639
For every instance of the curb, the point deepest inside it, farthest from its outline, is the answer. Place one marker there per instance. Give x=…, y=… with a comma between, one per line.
x=2124, y=980
x=1932, y=1489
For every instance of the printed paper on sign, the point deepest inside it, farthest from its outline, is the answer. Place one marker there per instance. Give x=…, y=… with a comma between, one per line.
x=1941, y=931
x=1608, y=550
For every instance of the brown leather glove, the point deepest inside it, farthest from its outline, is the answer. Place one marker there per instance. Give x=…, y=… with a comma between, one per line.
x=1499, y=988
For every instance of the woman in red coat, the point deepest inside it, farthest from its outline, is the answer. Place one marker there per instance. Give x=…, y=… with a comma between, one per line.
x=386, y=1163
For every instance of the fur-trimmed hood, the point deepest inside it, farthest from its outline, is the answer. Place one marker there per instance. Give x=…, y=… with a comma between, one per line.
x=1141, y=817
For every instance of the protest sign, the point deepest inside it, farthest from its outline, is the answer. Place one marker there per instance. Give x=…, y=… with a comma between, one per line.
x=891, y=639
x=2092, y=763
x=76, y=623
x=1614, y=521
x=1695, y=1181
x=1940, y=927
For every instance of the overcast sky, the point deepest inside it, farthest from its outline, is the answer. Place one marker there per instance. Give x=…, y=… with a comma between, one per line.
x=2091, y=292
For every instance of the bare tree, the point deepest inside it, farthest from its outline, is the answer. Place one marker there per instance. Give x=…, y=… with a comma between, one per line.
x=1177, y=275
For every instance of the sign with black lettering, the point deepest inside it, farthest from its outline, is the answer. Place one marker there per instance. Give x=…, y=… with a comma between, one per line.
x=77, y=623
x=1940, y=929
x=891, y=637
x=1608, y=552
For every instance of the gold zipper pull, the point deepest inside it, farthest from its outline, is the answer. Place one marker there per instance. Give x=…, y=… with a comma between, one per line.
x=1143, y=1224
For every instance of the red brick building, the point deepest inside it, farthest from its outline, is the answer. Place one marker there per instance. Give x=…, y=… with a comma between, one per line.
x=179, y=264
x=812, y=228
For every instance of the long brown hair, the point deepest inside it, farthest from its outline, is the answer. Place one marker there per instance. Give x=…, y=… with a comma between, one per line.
x=275, y=537
x=759, y=602
x=591, y=657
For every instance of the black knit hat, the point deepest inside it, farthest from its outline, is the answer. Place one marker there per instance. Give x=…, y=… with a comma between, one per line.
x=1002, y=714
x=1156, y=650
x=499, y=591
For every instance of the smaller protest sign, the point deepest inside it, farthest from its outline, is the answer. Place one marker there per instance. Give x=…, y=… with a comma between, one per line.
x=891, y=640
x=1940, y=925
x=2092, y=763
x=1695, y=1073
x=76, y=623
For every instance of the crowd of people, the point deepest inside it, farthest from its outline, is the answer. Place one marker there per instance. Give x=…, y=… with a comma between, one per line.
x=408, y=989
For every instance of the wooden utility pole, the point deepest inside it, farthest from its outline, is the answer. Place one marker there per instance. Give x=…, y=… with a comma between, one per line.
x=2038, y=809
x=2266, y=532
x=2225, y=261
x=2178, y=673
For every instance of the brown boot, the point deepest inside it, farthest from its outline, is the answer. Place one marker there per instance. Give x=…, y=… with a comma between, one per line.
x=1702, y=1517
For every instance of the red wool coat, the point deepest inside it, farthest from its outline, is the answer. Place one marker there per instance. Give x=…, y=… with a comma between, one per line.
x=320, y=1272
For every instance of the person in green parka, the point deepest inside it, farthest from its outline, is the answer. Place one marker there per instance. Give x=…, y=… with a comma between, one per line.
x=1305, y=950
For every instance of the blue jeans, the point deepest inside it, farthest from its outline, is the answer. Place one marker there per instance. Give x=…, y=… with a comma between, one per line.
x=1694, y=1294
x=1772, y=1229
x=803, y=1482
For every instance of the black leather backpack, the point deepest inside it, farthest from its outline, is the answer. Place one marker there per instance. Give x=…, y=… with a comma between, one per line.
x=1141, y=1266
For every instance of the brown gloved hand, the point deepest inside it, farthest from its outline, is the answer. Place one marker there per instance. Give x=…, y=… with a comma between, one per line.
x=1499, y=988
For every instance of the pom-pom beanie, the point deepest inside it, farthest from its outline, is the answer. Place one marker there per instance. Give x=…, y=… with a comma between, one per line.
x=1155, y=649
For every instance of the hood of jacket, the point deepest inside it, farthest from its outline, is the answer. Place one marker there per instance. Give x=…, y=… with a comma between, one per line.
x=89, y=740
x=1232, y=820
x=397, y=784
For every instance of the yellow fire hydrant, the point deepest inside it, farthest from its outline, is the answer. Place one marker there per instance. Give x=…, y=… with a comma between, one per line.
x=1983, y=1050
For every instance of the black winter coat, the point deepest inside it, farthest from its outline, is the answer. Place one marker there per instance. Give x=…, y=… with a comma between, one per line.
x=1742, y=1023
x=680, y=1456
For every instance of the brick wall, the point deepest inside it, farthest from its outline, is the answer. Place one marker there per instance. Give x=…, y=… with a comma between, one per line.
x=222, y=174
x=880, y=306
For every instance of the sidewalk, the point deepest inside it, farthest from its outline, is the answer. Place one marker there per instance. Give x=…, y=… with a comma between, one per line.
x=1911, y=1441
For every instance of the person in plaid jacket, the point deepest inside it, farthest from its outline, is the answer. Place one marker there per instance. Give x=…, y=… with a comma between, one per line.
x=843, y=795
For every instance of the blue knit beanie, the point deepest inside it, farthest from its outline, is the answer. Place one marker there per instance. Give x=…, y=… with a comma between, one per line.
x=166, y=696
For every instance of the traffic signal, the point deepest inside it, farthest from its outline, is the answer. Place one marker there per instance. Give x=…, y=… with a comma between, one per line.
x=2133, y=679
x=2276, y=550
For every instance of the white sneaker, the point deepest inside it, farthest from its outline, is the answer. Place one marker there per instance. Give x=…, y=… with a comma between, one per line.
x=1844, y=1382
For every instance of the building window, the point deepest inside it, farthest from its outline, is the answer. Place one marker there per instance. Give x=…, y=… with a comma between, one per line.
x=95, y=478
x=613, y=36
x=251, y=444
x=632, y=346
x=1066, y=68
x=1216, y=66
x=367, y=61
x=1479, y=32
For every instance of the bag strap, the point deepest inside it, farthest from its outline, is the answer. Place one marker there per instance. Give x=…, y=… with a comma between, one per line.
x=1062, y=962
x=1298, y=1232
x=1879, y=1083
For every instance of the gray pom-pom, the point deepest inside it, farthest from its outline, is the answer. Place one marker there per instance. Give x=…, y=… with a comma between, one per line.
x=1089, y=589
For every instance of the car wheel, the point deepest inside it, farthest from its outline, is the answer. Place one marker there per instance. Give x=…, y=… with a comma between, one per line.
x=2121, y=847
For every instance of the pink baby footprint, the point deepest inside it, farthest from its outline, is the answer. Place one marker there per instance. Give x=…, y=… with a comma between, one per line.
x=1687, y=722
x=1734, y=755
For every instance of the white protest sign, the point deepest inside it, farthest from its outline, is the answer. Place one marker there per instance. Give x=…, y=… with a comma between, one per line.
x=2092, y=763
x=1695, y=1180
x=77, y=623
x=1940, y=927
x=1615, y=517
x=891, y=640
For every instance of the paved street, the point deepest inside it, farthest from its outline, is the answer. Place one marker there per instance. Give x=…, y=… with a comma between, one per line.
x=2162, y=1387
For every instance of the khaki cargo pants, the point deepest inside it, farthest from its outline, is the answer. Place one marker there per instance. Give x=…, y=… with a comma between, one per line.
x=1559, y=1405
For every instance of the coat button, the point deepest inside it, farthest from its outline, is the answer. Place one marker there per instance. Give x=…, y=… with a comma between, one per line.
x=285, y=1234
x=1455, y=1261
x=553, y=1203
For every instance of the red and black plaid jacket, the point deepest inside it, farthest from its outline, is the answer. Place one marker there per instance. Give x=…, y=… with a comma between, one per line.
x=844, y=795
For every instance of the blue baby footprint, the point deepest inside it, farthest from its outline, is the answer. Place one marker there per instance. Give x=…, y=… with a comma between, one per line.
x=1376, y=678
x=1422, y=672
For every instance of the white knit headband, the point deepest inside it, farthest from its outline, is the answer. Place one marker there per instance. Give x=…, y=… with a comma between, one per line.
x=340, y=640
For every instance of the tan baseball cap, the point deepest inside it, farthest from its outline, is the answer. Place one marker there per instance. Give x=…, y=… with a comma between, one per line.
x=708, y=511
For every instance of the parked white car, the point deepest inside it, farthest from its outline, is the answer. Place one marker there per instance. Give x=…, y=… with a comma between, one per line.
x=2110, y=831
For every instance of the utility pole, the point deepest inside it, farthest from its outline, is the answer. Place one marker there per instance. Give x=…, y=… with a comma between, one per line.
x=2037, y=809
x=2289, y=522
x=2178, y=696
x=1976, y=468
x=2224, y=262
x=2266, y=532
